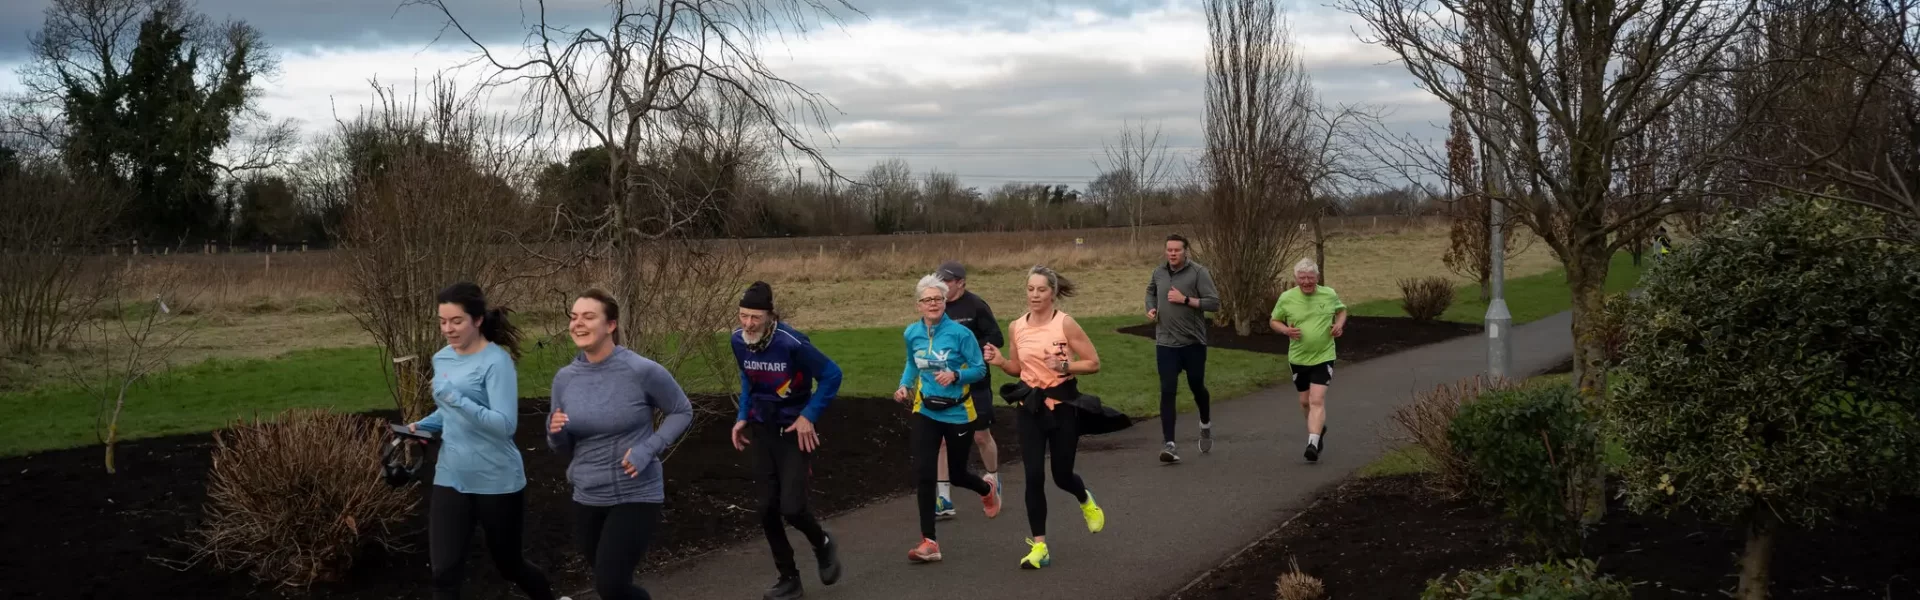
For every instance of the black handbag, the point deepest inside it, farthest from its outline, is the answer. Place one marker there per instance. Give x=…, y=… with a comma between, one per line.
x=940, y=402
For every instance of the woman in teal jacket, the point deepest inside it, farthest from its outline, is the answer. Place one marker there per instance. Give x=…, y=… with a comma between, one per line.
x=943, y=358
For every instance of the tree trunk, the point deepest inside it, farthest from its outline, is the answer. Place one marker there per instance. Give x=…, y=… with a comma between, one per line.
x=1756, y=564
x=1587, y=280
x=1319, y=251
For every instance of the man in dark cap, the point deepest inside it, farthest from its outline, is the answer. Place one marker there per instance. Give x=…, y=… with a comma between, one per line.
x=779, y=405
x=971, y=311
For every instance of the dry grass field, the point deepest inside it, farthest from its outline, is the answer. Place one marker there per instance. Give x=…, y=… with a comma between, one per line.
x=264, y=305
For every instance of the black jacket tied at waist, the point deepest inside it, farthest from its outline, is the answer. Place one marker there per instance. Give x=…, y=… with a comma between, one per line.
x=1094, y=417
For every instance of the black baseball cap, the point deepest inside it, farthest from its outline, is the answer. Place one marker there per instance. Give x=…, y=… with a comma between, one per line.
x=951, y=270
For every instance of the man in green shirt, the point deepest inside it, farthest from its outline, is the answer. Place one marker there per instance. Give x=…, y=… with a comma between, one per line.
x=1312, y=316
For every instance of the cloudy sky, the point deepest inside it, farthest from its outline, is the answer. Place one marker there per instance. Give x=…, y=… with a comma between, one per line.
x=993, y=90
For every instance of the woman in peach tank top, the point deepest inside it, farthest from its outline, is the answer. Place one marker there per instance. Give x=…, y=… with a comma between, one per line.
x=1049, y=351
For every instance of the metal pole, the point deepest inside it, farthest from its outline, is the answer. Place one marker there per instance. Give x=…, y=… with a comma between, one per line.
x=1499, y=321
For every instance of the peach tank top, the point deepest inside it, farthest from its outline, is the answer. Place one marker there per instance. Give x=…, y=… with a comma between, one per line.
x=1038, y=345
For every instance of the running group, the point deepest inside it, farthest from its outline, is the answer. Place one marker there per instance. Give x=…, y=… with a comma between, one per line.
x=607, y=401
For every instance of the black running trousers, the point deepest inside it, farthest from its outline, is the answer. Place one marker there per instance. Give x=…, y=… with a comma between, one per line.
x=1055, y=431
x=785, y=471
x=451, y=517
x=614, y=539
x=927, y=434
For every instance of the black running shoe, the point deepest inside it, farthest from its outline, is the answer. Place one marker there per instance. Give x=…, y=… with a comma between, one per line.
x=1313, y=453
x=1169, y=453
x=788, y=588
x=829, y=556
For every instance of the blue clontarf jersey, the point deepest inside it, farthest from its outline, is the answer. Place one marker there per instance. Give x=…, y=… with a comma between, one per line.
x=777, y=383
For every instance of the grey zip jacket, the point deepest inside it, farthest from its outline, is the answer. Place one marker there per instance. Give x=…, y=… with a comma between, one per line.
x=1181, y=325
x=610, y=408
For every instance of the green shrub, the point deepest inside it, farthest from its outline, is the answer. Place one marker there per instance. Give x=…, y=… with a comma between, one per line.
x=1425, y=298
x=1569, y=580
x=1772, y=374
x=1424, y=424
x=1524, y=446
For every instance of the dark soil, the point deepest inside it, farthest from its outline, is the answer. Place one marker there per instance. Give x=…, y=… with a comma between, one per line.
x=73, y=531
x=1385, y=537
x=1364, y=338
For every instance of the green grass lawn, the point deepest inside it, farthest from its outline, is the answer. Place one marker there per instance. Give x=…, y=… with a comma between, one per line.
x=1529, y=298
x=209, y=395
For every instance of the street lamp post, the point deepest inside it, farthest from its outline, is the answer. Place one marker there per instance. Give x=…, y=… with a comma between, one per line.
x=1499, y=321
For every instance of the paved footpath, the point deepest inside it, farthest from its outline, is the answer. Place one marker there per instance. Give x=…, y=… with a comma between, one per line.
x=1166, y=524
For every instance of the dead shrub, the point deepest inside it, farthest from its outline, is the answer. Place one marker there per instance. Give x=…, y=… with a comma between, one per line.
x=1296, y=585
x=1425, y=298
x=295, y=500
x=1424, y=423
x=48, y=285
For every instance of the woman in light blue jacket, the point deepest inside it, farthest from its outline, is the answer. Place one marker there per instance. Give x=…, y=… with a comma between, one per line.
x=479, y=479
x=943, y=358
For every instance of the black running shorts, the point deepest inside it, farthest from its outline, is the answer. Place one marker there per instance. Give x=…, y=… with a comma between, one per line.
x=1307, y=376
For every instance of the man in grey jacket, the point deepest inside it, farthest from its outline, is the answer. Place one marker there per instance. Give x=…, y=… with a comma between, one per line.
x=1179, y=295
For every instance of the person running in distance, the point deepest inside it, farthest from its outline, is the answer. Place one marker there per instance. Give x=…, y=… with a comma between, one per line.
x=779, y=405
x=1180, y=293
x=943, y=360
x=602, y=418
x=1049, y=353
x=968, y=309
x=479, y=479
x=1312, y=316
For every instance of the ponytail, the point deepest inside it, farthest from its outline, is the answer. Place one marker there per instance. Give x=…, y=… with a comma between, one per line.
x=493, y=322
x=1062, y=287
x=498, y=330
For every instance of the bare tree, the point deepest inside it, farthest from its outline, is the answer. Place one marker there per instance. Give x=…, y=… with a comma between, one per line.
x=137, y=341
x=1568, y=83
x=614, y=87
x=48, y=286
x=429, y=200
x=1257, y=163
x=1842, y=125
x=1134, y=168
x=1335, y=160
x=1470, y=213
x=891, y=195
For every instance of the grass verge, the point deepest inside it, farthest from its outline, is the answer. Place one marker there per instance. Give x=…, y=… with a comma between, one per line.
x=1529, y=298
x=209, y=395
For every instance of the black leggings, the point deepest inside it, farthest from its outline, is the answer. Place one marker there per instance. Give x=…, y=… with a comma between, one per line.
x=450, y=521
x=927, y=434
x=1193, y=360
x=1056, y=430
x=785, y=471
x=614, y=539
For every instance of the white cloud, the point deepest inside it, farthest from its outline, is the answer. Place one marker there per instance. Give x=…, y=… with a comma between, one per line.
x=988, y=102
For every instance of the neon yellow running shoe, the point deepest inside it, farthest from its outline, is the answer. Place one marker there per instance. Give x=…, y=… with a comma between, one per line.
x=1096, y=518
x=1037, y=557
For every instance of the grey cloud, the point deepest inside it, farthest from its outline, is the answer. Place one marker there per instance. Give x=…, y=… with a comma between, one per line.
x=1046, y=121
x=367, y=23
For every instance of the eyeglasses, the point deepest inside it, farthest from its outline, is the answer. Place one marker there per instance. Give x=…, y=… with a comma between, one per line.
x=932, y=300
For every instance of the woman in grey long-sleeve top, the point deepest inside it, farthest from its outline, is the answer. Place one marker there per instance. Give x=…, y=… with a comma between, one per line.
x=603, y=405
